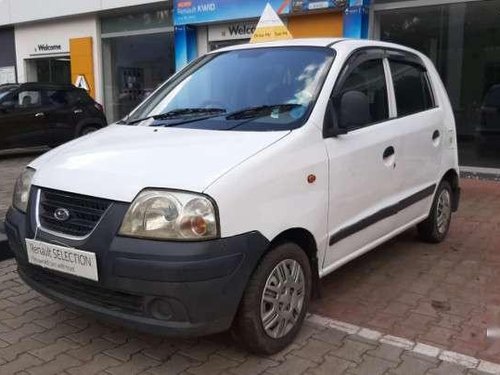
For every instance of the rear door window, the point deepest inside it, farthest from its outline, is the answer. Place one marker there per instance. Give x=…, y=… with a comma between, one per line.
x=412, y=88
x=57, y=97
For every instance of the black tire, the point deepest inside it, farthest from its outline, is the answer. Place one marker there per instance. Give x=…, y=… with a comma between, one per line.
x=431, y=229
x=248, y=328
x=88, y=129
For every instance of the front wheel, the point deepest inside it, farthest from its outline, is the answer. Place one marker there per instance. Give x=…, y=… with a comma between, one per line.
x=435, y=228
x=275, y=301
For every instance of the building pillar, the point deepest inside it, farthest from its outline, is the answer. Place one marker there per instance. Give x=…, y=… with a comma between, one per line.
x=185, y=45
x=356, y=19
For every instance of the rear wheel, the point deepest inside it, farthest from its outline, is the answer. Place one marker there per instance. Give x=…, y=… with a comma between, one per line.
x=88, y=129
x=275, y=301
x=435, y=228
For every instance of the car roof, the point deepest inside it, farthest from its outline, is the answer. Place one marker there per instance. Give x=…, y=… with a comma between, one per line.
x=9, y=86
x=47, y=85
x=321, y=42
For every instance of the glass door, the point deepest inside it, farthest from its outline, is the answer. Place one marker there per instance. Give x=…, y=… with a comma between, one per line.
x=50, y=70
x=463, y=40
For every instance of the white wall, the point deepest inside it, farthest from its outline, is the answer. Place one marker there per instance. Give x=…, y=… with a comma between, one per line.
x=55, y=33
x=19, y=11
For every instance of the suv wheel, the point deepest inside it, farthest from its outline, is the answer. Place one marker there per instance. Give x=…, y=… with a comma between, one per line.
x=435, y=228
x=275, y=301
x=88, y=129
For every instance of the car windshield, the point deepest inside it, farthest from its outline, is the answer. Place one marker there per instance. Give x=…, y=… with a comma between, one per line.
x=268, y=88
x=4, y=91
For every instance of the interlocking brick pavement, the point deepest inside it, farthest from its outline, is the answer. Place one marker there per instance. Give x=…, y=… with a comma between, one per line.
x=444, y=295
x=319, y=349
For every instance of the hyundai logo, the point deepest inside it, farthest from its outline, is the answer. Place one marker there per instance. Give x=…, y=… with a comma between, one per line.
x=61, y=214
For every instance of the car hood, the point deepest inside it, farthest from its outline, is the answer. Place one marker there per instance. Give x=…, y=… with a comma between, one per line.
x=119, y=161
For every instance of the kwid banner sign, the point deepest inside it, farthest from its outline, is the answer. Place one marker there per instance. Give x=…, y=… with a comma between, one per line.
x=203, y=11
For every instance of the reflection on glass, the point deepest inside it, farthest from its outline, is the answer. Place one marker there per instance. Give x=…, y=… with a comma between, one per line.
x=50, y=70
x=134, y=66
x=463, y=40
x=241, y=79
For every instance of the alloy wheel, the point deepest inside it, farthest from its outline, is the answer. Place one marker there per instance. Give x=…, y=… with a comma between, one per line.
x=443, y=211
x=283, y=298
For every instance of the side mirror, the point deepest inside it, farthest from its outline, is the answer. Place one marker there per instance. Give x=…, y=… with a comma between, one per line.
x=354, y=109
x=331, y=126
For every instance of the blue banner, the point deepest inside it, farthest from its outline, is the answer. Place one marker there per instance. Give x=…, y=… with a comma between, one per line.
x=188, y=12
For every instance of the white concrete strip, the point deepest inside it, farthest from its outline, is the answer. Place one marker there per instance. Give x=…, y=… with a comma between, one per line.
x=411, y=346
x=350, y=329
x=460, y=359
x=398, y=341
x=427, y=350
x=468, y=169
x=370, y=334
x=488, y=367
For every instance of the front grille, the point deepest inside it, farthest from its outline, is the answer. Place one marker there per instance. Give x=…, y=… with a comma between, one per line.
x=95, y=295
x=84, y=212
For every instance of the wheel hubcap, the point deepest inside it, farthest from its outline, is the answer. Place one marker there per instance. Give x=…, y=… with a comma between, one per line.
x=283, y=298
x=443, y=211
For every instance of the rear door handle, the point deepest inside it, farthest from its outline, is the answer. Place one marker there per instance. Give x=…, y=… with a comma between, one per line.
x=389, y=151
x=40, y=114
x=78, y=111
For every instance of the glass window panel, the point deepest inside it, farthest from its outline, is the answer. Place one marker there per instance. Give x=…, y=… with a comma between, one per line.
x=463, y=40
x=134, y=66
x=411, y=88
x=28, y=99
x=137, y=21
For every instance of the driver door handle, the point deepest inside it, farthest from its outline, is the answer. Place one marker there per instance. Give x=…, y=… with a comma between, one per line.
x=389, y=151
x=40, y=114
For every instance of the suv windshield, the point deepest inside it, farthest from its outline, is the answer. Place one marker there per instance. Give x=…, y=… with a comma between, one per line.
x=248, y=89
x=4, y=91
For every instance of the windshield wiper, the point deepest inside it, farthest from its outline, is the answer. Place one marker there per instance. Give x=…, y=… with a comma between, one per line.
x=176, y=113
x=260, y=111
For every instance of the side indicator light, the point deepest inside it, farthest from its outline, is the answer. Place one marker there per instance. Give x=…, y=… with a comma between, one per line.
x=311, y=178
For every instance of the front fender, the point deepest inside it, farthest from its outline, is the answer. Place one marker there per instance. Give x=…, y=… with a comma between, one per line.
x=270, y=192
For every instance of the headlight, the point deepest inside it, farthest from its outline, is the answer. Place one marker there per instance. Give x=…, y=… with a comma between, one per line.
x=170, y=215
x=22, y=190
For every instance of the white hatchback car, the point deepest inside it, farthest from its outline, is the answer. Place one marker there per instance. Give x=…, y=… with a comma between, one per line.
x=224, y=197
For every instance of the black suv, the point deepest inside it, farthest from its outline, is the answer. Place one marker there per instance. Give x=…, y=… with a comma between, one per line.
x=38, y=114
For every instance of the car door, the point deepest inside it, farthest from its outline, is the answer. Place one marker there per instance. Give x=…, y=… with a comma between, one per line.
x=6, y=107
x=422, y=127
x=61, y=112
x=363, y=163
x=24, y=123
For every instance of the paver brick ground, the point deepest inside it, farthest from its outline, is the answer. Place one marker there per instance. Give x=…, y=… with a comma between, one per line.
x=446, y=295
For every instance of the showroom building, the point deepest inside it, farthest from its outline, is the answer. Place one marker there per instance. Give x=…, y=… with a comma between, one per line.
x=120, y=50
x=463, y=40
x=125, y=48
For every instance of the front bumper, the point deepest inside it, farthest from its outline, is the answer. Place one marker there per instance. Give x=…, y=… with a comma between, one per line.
x=171, y=288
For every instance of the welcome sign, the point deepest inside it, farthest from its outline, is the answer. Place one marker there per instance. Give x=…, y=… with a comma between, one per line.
x=204, y=11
